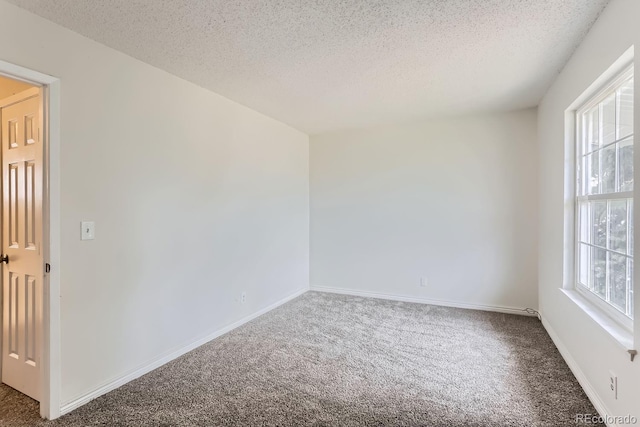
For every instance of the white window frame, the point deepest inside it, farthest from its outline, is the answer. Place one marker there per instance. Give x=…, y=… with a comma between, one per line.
x=595, y=98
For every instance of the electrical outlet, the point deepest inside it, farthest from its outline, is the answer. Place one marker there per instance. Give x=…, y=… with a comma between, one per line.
x=243, y=297
x=88, y=230
x=613, y=384
x=424, y=282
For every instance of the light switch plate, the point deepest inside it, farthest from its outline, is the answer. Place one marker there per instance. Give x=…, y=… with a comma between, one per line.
x=88, y=231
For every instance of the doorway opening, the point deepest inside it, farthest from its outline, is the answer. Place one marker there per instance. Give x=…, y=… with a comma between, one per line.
x=29, y=236
x=22, y=259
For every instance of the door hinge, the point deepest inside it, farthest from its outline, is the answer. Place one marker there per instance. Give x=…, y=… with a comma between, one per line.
x=47, y=267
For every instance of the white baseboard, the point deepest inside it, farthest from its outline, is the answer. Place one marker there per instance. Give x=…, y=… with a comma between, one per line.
x=577, y=372
x=444, y=303
x=168, y=357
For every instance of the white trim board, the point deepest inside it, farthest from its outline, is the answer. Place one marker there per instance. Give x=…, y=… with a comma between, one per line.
x=444, y=303
x=577, y=372
x=171, y=355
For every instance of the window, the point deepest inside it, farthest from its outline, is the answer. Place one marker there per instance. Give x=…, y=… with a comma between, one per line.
x=604, y=198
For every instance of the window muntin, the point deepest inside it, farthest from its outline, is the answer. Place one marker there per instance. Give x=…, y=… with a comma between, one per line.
x=604, y=198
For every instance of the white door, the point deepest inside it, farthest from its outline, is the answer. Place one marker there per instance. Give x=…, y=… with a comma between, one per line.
x=22, y=260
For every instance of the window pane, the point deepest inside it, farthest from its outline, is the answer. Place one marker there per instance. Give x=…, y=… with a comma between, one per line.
x=625, y=165
x=583, y=262
x=630, y=219
x=582, y=174
x=618, y=225
x=584, y=225
x=609, y=169
x=599, y=272
x=593, y=171
x=599, y=224
x=625, y=109
x=591, y=130
x=609, y=119
x=618, y=279
x=630, y=286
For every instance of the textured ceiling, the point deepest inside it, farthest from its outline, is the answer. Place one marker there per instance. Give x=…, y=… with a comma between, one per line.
x=322, y=65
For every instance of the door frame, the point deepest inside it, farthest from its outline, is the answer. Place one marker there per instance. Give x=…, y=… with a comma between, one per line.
x=50, y=345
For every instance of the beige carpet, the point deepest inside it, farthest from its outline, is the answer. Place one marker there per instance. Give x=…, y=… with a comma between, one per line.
x=327, y=359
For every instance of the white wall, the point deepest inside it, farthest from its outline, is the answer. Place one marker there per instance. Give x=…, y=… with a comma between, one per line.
x=453, y=200
x=195, y=198
x=592, y=350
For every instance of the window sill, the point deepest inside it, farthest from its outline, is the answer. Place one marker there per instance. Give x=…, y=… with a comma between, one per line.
x=619, y=333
